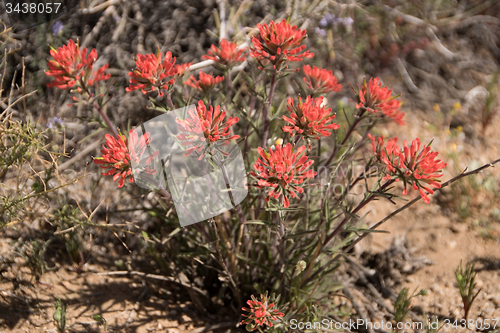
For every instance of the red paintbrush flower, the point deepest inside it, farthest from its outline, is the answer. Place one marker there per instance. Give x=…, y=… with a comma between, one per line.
x=119, y=154
x=377, y=145
x=261, y=312
x=71, y=64
x=227, y=56
x=182, y=68
x=205, y=84
x=388, y=154
x=320, y=80
x=282, y=171
x=419, y=169
x=204, y=129
x=278, y=43
x=310, y=118
x=151, y=74
x=375, y=98
x=422, y=168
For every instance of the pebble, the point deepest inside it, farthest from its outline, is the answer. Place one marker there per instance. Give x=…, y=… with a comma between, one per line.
x=437, y=289
x=459, y=227
x=495, y=299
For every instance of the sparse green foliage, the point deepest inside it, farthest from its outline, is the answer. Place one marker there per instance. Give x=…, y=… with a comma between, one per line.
x=100, y=319
x=18, y=144
x=33, y=252
x=403, y=303
x=60, y=316
x=466, y=284
x=69, y=222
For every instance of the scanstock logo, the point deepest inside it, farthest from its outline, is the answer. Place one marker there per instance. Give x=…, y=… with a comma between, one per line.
x=203, y=179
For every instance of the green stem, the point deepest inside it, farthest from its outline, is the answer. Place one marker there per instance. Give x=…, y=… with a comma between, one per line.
x=348, y=134
x=339, y=228
x=267, y=107
x=169, y=102
x=96, y=106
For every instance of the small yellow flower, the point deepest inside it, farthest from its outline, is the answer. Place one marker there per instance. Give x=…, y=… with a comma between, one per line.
x=279, y=141
x=436, y=108
x=301, y=265
x=447, y=132
x=459, y=129
x=457, y=106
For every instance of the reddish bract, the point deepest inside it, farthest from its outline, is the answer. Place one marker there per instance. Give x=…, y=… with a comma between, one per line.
x=309, y=118
x=282, y=172
x=205, y=128
x=261, y=312
x=278, y=43
x=227, y=56
x=419, y=169
x=152, y=74
x=71, y=64
x=320, y=80
x=206, y=82
x=375, y=98
x=117, y=157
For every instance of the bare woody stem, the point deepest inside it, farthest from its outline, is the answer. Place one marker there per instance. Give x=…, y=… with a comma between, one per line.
x=357, y=209
x=112, y=128
x=341, y=225
x=169, y=101
x=267, y=107
x=96, y=106
x=348, y=134
x=232, y=283
x=399, y=210
x=228, y=88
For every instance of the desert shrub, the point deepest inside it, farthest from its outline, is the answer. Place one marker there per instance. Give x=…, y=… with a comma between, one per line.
x=310, y=170
x=312, y=155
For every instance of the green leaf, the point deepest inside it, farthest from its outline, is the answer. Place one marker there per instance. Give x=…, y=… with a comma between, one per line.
x=260, y=222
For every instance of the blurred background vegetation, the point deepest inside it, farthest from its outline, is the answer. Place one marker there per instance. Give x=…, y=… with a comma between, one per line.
x=442, y=56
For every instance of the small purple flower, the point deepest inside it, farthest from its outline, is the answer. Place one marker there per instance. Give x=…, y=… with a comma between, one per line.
x=55, y=121
x=346, y=21
x=320, y=32
x=326, y=20
x=56, y=27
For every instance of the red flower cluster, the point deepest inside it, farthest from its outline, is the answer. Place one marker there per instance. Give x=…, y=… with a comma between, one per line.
x=283, y=170
x=151, y=74
x=205, y=125
x=375, y=98
x=119, y=154
x=320, y=80
x=279, y=42
x=261, y=312
x=227, y=56
x=419, y=169
x=182, y=68
x=205, y=84
x=309, y=118
x=71, y=64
